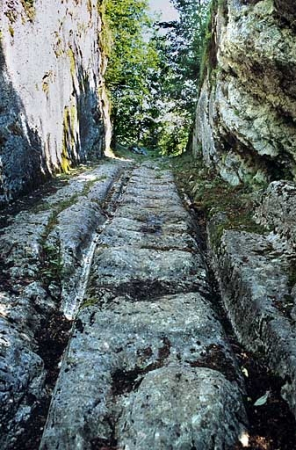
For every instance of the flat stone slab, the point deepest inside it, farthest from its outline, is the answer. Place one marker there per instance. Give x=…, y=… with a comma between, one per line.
x=147, y=174
x=153, y=191
x=144, y=374
x=168, y=215
x=148, y=200
x=182, y=410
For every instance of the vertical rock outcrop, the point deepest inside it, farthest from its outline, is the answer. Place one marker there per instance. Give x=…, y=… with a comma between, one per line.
x=53, y=111
x=245, y=121
x=246, y=130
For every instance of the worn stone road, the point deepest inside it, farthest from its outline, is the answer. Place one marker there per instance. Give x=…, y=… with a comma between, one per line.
x=148, y=364
x=137, y=373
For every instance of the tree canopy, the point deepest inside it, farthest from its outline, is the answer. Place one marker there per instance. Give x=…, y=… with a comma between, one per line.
x=153, y=71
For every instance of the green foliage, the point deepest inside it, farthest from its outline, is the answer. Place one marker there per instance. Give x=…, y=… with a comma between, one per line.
x=174, y=133
x=188, y=35
x=209, y=49
x=152, y=76
x=131, y=59
x=179, y=48
x=106, y=39
x=127, y=20
x=184, y=49
x=53, y=266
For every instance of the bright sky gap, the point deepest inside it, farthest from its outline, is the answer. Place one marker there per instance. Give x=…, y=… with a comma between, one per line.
x=166, y=9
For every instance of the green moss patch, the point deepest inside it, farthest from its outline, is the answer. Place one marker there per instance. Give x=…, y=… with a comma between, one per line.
x=30, y=10
x=211, y=195
x=89, y=302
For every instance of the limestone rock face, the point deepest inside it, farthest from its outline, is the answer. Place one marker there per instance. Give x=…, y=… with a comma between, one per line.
x=277, y=210
x=52, y=107
x=245, y=120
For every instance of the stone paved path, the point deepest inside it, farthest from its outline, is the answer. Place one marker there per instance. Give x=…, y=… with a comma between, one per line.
x=109, y=338
x=148, y=365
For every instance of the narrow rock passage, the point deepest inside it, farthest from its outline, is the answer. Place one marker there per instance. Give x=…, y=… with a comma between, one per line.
x=148, y=365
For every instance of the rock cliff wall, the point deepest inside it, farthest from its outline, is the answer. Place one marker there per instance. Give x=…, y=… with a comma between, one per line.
x=53, y=110
x=246, y=131
x=246, y=114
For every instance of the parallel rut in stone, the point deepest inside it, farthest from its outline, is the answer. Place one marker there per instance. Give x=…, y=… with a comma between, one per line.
x=43, y=248
x=138, y=372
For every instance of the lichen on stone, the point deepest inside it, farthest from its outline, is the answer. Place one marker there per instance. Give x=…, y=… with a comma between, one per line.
x=246, y=112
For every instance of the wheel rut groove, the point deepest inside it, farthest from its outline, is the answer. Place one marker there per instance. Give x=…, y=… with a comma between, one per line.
x=41, y=250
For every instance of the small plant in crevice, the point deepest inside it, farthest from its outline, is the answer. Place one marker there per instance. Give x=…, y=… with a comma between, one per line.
x=89, y=302
x=89, y=7
x=11, y=14
x=52, y=266
x=11, y=30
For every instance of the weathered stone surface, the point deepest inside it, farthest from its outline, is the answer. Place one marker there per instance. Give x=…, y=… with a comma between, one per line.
x=277, y=210
x=144, y=368
x=155, y=235
x=133, y=260
x=245, y=120
x=51, y=115
x=149, y=415
x=113, y=348
x=122, y=268
x=41, y=261
x=143, y=202
x=255, y=280
x=22, y=373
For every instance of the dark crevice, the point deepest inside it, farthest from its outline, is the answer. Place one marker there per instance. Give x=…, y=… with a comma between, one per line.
x=216, y=359
x=285, y=12
x=126, y=381
x=51, y=340
x=275, y=169
x=103, y=444
x=144, y=290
